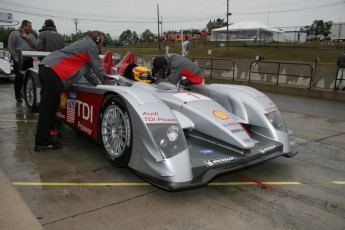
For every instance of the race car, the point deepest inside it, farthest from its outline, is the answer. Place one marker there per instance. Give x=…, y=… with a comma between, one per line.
x=6, y=66
x=174, y=136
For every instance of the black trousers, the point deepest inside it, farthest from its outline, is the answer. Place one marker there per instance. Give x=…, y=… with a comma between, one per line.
x=50, y=99
x=18, y=81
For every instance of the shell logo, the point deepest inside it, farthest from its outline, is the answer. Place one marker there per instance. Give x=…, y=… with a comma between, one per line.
x=63, y=100
x=220, y=114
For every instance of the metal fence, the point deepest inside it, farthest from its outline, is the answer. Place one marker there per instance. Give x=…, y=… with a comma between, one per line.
x=216, y=67
x=278, y=73
x=291, y=74
x=340, y=79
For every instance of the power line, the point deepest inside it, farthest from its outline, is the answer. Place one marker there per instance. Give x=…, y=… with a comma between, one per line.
x=199, y=19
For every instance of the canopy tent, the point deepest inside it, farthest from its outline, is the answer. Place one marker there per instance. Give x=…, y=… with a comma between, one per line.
x=248, y=30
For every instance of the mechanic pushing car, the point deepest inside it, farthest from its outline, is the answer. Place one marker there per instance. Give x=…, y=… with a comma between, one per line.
x=58, y=71
x=170, y=67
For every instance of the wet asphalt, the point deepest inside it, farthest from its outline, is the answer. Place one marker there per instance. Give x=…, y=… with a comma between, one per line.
x=76, y=188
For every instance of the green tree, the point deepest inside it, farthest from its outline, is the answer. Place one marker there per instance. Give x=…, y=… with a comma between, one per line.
x=147, y=35
x=108, y=39
x=135, y=36
x=319, y=27
x=4, y=34
x=126, y=36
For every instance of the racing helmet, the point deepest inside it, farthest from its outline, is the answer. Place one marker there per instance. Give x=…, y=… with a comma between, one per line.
x=142, y=74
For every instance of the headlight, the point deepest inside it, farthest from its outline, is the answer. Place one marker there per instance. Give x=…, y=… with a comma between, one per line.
x=276, y=120
x=169, y=138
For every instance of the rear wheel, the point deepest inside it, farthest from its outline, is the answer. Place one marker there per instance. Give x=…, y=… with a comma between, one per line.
x=30, y=93
x=116, y=132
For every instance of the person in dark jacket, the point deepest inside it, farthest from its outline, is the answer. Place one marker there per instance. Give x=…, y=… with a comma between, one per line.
x=169, y=67
x=49, y=39
x=21, y=39
x=58, y=71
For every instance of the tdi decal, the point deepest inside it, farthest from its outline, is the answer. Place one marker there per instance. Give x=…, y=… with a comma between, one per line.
x=155, y=118
x=84, y=128
x=85, y=111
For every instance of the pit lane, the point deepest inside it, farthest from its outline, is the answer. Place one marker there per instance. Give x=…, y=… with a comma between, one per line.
x=76, y=188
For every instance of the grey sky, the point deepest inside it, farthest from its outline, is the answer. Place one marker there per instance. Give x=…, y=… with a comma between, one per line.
x=115, y=16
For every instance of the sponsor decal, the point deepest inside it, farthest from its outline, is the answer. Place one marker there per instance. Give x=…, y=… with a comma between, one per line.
x=128, y=125
x=220, y=161
x=220, y=114
x=77, y=108
x=63, y=100
x=83, y=128
x=271, y=107
x=230, y=124
x=250, y=140
x=60, y=115
x=153, y=117
x=186, y=97
x=71, y=107
x=237, y=130
x=72, y=95
x=70, y=110
x=266, y=149
x=207, y=151
x=85, y=111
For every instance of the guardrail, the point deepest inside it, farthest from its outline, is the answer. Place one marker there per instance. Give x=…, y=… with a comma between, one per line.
x=276, y=69
x=215, y=66
x=339, y=79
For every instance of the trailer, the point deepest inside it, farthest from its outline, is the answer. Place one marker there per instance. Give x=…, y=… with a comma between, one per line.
x=338, y=31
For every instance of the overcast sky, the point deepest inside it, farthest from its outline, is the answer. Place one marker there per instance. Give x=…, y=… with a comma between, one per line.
x=116, y=16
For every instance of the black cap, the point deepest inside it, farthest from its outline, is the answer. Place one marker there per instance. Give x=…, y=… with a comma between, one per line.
x=49, y=23
x=158, y=63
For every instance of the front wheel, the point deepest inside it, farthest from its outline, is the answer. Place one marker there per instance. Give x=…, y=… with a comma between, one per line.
x=116, y=132
x=30, y=95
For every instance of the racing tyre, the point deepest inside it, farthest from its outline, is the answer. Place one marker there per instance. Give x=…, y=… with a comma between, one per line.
x=116, y=132
x=30, y=95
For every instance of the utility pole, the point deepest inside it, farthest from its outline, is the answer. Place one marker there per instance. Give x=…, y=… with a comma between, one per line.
x=159, y=42
x=227, y=25
x=161, y=22
x=76, y=21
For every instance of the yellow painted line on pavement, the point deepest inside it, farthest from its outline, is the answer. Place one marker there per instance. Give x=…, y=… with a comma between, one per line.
x=77, y=184
x=338, y=182
x=124, y=184
x=9, y=120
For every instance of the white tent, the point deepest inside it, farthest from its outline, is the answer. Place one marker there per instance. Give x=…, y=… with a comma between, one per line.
x=248, y=30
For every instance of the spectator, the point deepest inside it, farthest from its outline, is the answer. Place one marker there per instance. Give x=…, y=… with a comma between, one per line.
x=49, y=39
x=185, y=47
x=21, y=39
x=58, y=71
x=170, y=67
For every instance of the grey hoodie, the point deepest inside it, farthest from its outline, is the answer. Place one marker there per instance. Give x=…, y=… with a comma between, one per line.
x=15, y=41
x=75, y=61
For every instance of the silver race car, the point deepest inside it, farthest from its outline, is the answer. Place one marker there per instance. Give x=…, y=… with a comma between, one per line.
x=174, y=136
x=6, y=66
